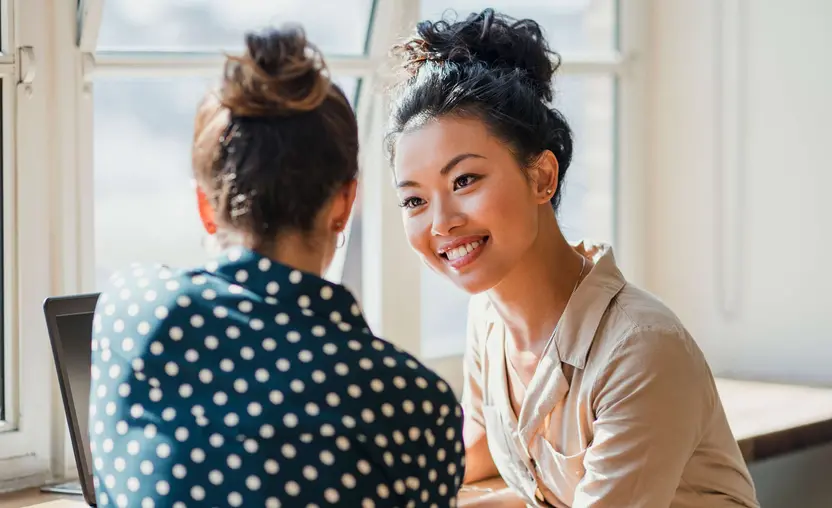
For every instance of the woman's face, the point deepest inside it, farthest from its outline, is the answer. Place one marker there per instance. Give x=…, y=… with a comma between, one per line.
x=469, y=210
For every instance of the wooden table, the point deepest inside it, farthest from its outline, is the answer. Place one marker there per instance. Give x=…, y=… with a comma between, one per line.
x=775, y=419
x=767, y=419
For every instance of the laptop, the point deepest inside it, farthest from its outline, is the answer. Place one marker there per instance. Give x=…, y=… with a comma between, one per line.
x=69, y=324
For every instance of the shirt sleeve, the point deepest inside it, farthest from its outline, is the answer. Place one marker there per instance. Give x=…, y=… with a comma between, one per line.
x=652, y=402
x=472, y=364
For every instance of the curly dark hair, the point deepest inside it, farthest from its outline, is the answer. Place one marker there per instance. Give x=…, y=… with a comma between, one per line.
x=491, y=67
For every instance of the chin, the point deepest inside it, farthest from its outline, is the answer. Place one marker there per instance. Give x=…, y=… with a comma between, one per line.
x=474, y=281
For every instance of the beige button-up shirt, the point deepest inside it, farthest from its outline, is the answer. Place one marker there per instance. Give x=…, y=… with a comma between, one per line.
x=622, y=410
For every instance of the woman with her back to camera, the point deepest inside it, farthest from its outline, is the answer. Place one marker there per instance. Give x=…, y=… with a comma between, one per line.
x=581, y=390
x=251, y=380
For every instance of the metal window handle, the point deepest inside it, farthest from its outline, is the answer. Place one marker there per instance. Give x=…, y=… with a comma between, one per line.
x=28, y=68
x=26, y=57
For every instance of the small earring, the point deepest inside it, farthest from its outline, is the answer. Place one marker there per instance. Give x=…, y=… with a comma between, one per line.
x=342, y=240
x=548, y=191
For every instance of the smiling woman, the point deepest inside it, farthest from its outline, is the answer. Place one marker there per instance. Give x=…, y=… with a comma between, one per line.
x=476, y=196
x=577, y=385
x=589, y=101
x=500, y=88
x=462, y=251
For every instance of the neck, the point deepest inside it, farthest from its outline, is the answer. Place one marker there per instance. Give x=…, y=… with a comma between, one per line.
x=533, y=296
x=296, y=250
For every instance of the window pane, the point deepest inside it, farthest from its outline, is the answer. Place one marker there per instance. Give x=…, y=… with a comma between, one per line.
x=586, y=211
x=351, y=277
x=569, y=25
x=145, y=205
x=335, y=26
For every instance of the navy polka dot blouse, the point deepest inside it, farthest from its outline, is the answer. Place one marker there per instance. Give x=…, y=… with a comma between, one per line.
x=245, y=382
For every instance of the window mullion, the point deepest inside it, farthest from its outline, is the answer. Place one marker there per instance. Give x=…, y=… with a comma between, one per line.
x=630, y=143
x=169, y=63
x=391, y=273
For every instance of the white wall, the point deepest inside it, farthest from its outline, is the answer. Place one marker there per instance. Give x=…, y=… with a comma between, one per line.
x=763, y=158
x=740, y=119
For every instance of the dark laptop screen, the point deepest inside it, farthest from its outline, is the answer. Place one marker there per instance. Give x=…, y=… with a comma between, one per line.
x=75, y=331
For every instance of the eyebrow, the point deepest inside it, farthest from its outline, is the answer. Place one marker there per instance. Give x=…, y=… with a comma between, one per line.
x=445, y=169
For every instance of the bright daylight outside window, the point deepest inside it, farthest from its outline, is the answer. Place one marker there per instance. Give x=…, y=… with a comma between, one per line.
x=145, y=206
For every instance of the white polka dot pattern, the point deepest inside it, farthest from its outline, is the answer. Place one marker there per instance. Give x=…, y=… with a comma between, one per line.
x=248, y=383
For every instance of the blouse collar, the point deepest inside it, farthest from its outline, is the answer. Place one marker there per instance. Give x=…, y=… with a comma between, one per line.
x=281, y=284
x=586, y=308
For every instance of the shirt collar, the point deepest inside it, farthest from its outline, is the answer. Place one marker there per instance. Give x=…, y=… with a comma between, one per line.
x=588, y=305
x=281, y=284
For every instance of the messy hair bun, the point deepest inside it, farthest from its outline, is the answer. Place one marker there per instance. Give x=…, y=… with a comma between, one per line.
x=495, y=41
x=493, y=67
x=278, y=75
x=277, y=141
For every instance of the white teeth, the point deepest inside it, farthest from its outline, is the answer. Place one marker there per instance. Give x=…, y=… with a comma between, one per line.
x=462, y=250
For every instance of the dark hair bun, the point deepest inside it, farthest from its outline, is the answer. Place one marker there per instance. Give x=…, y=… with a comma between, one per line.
x=496, y=40
x=280, y=74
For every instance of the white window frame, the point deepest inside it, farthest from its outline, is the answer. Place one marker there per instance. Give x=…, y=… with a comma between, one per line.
x=49, y=216
x=8, y=73
x=41, y=246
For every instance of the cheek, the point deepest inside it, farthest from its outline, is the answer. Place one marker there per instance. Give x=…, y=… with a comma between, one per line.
x=504, y=208
x=417, y=230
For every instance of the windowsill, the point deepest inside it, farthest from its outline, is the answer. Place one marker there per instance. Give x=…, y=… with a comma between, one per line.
x=21, y=488
x=34, y=497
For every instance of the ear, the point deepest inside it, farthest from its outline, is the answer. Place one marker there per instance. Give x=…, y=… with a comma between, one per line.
x=342, y=204
x=206, y=211
x=544, y=175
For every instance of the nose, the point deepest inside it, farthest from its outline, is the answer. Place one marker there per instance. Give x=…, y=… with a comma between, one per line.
x=445, y=218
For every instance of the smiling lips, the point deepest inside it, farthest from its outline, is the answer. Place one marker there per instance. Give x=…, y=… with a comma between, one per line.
x=459, y=254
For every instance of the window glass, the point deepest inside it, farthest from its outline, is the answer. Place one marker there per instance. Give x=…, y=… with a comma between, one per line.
x=569, y=25
x=145, y=203
x=335, y=26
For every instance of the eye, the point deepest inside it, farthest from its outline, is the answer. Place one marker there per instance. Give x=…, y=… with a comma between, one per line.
x=463, y=181
x=411, y=202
